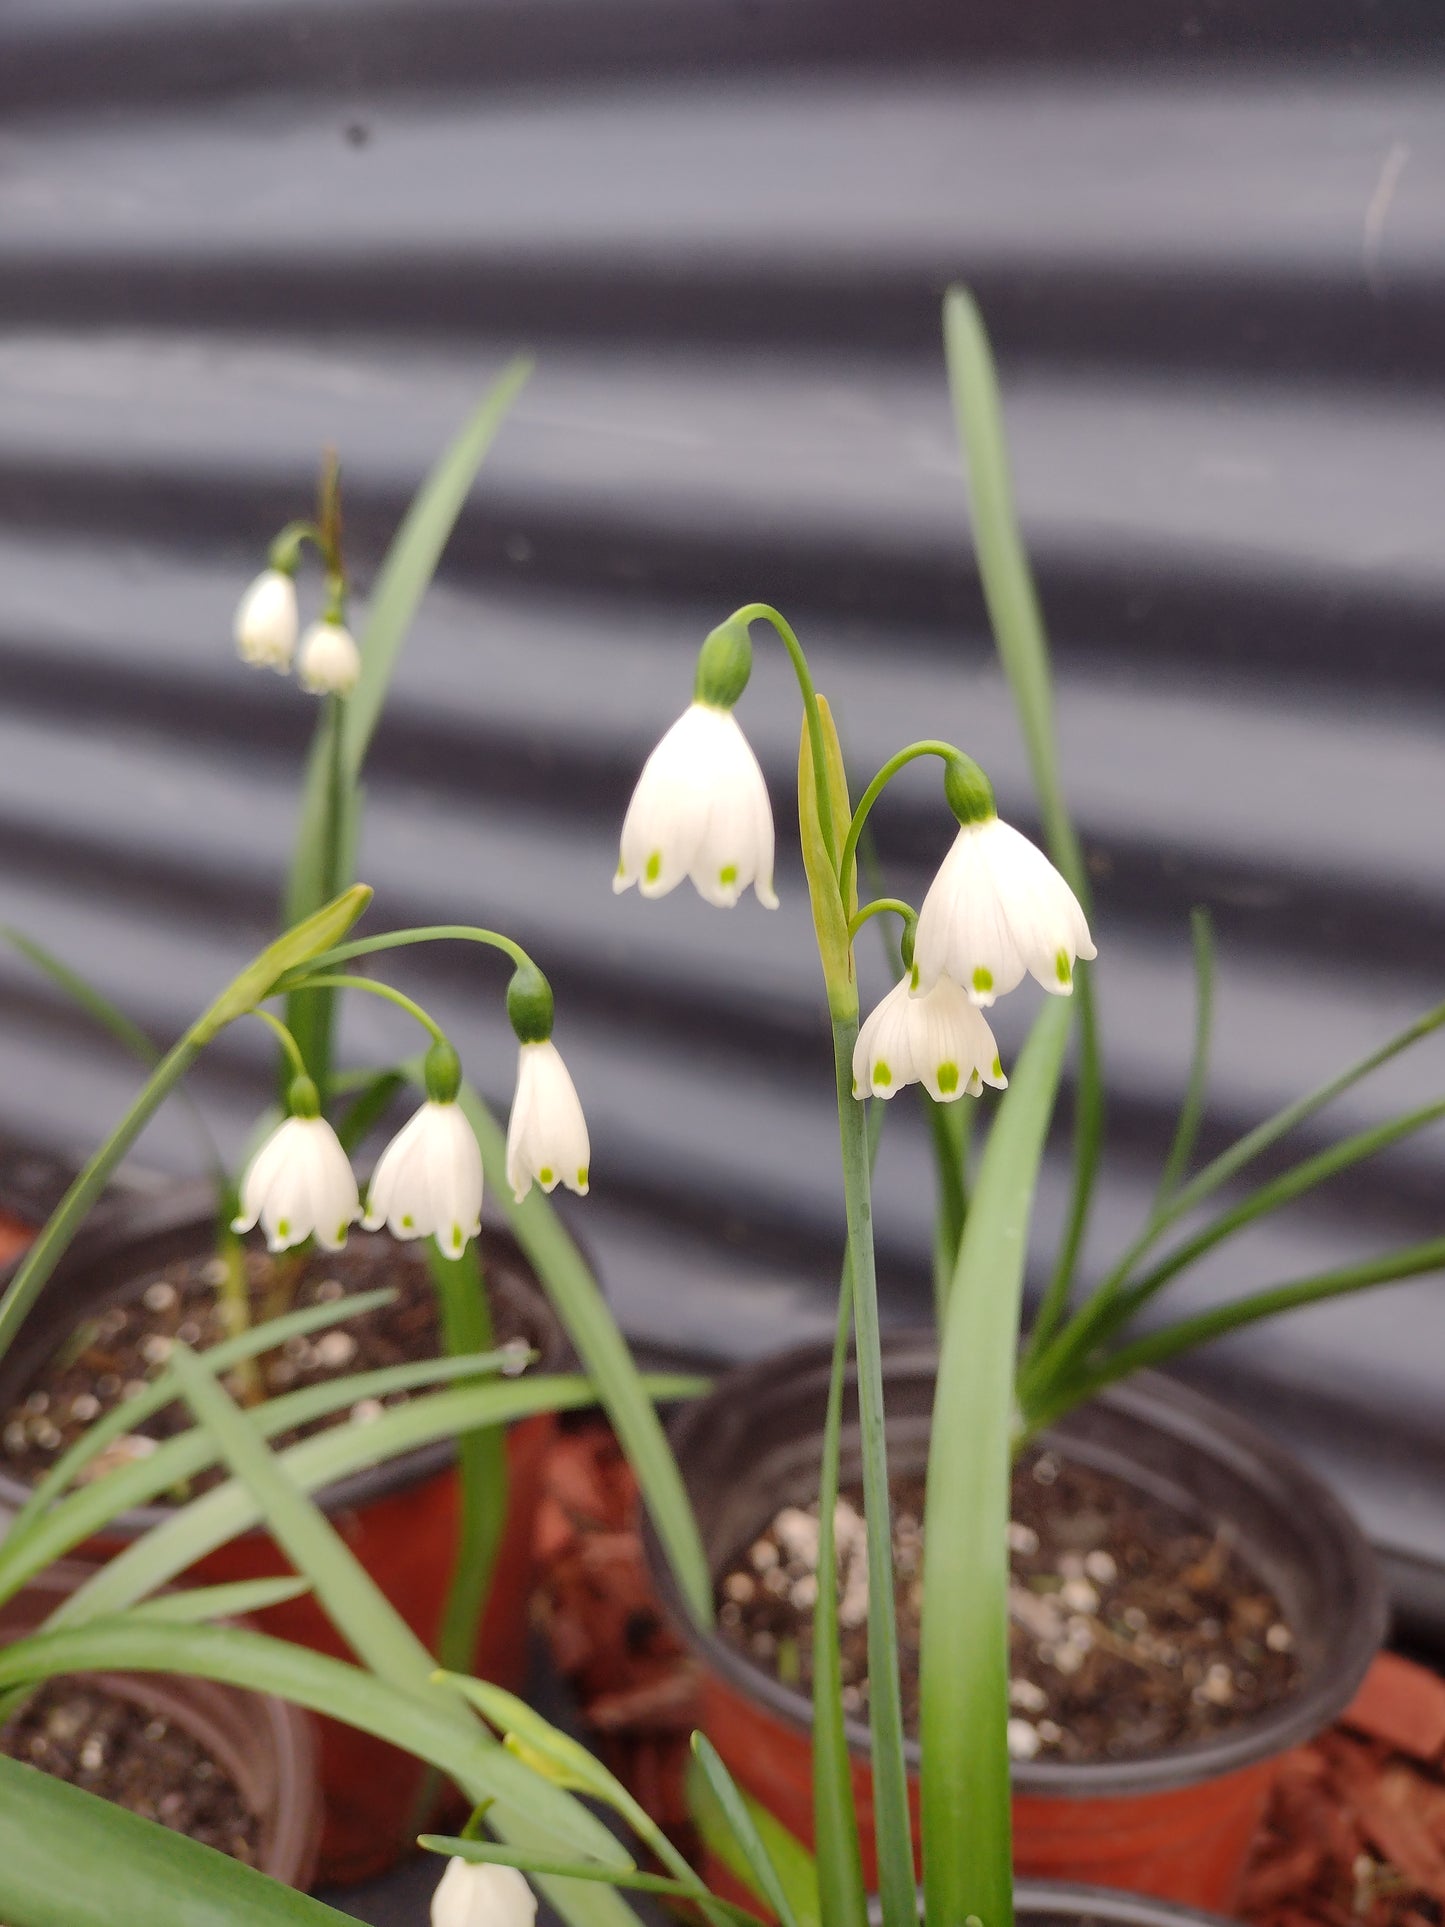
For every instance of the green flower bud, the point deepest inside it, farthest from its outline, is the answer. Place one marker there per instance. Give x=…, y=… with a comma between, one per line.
x=303, y=1099
x=724, y=664
x=443, y=1073
x=969, y=792
x=529, y=1005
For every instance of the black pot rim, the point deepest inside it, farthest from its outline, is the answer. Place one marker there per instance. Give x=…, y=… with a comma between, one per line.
x=1108, y=1906
x=1150, y=1396
x=189, y=1206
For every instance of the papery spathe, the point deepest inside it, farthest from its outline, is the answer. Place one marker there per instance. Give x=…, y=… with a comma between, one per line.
x=471, y=1895
x=267, y=621
x=996, y=909
x=937, y=1039
x=328, y=662
x=700, y=809
x=547, y=1134
x=300, y=1185
x=428, y=1180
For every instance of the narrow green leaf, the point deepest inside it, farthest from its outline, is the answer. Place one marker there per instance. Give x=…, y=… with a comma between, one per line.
x=1191, y=1112
x=412, y=559
x=964, y=1658
x=1023, y=648
x=793, y=1863
x=314, y=1463
x=422, y=1724
x=1157, y=1347
x=603, y=1350
x=466, y=1323
x=355, y=1605
x=131, y=1414
x=307, y=939
x=178, y=1460
x=487, y=1853
x=66, y=1857
x=106, y=1015
x=232, y=1601
x=745, y=1831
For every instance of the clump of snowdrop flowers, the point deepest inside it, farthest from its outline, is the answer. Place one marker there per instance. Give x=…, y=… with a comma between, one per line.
x=328, y=662
x=473, y=1895
x=547, y=1141
x=700, y=808
x=428, y=1180
x=267, y=621
x=300, y=1184
x=938, y=1039
x=997, y=908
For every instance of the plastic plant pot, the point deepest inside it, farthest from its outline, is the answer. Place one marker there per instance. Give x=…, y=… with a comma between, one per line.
x=265, y=1746
x=1049, y=1903
x=400, y=1518
x=1176, y=1823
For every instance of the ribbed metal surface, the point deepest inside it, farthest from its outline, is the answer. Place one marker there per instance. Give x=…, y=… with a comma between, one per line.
x=1214, y=252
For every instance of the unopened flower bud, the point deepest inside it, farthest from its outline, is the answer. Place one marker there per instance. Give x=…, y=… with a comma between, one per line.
x=329, y=661
x=267, y=621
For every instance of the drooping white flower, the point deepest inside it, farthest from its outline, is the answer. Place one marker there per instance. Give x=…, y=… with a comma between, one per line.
x=547, y=1134
x=996, y=909
x=328, y=662
x=470, y=1895
x=300, y=1185
x=267, y=621
x=938, y=1040
x=428, y=1180
x=700, y=809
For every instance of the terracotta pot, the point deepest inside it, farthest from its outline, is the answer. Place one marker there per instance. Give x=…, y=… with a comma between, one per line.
x=400, y=1519
x=1178, y=1823
x=266, y=1746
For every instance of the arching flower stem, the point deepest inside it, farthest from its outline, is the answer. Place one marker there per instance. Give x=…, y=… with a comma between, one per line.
x=343, y=981
x=287, y=1041
x=764, y=612
x=877, y=908
x=930, y=746
x=400, y=939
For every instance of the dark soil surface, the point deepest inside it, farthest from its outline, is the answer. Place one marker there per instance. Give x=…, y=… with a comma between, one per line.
x=1132, y=1627
x=78, y=1731
x=111, y=1356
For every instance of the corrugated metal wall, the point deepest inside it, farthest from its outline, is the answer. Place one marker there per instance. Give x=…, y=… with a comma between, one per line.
x=1212, y=244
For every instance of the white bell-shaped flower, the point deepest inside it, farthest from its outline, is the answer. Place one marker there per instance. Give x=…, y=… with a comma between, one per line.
x=547, y=1133
x=267, y=621
x=328, y=662
x=471, y=1895
x=428, y=1180
x=300, y=1185
x=996, y=909
x=938, y=1040
x=700, y=809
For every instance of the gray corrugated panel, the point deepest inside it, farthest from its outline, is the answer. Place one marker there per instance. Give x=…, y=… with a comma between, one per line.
x=230, y=233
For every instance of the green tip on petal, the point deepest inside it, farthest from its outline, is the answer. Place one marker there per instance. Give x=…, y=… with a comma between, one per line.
x=1062, y=969
x=982, y=979
x=948, y=1078
x=881, y=1073
x=997, y=1068
x=408, y=1223
x=582, y=1177
x=545, y=1175
x=654, y=867
x=283, y=1230
x=728, y=874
